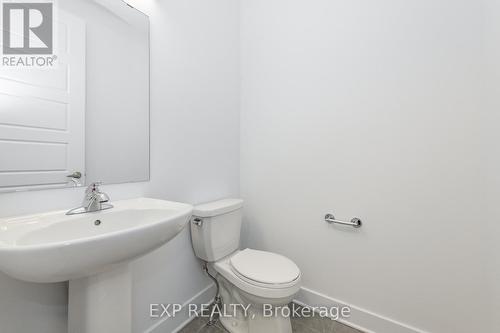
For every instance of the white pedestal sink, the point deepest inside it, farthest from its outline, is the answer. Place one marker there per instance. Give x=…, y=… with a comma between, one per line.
x=92, y=251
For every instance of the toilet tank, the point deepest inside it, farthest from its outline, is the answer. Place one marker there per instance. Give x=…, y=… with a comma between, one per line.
x=215, y=229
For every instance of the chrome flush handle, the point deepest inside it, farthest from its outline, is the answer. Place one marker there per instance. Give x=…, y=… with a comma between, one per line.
x=197, y=221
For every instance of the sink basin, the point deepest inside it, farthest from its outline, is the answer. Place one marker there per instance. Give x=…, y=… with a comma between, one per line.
x=92, y=251
x=54, y=247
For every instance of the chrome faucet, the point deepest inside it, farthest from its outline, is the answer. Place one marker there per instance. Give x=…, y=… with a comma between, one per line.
x=94, y=201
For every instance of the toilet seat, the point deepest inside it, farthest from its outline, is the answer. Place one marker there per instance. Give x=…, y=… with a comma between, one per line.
x=264, y=269
x=244, y=270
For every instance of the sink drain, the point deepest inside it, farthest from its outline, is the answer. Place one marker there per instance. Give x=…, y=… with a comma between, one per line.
x=97, y=222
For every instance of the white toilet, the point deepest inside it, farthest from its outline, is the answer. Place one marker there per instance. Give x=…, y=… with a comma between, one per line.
x=246, y=277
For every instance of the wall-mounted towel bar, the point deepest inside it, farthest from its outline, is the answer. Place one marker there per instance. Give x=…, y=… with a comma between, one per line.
x=355, y=222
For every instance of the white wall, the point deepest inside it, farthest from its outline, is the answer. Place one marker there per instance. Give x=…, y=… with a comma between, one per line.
x=194, y=158
x=370, y=109
x=491, y=158
x=195, y=133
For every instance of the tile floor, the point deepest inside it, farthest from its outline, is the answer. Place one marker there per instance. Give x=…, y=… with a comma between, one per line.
x=299, y=325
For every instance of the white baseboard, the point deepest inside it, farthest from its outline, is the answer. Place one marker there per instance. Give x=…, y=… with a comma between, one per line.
x=175, y=324
x=361, y=319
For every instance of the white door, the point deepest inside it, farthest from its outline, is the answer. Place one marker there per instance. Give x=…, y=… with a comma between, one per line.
x=42, y=114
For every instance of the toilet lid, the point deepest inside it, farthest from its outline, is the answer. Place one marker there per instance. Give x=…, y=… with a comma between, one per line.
x=265, y=267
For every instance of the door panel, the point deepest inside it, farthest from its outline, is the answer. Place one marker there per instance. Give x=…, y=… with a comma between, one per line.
x=42, y=114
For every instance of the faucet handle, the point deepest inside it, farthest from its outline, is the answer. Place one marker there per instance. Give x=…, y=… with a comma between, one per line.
x=93, y=187
x=103, y=197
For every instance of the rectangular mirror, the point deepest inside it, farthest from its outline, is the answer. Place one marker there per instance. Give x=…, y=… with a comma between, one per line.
x=74, y=94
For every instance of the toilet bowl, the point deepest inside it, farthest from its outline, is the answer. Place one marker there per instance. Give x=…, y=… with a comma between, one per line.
x=262, y=282
x=255, y=286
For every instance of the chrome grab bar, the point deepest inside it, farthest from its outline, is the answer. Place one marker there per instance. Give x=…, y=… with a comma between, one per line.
x=355, y=222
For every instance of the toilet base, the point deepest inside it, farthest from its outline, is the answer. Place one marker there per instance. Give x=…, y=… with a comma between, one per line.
x=253, y=320
x=258, y=324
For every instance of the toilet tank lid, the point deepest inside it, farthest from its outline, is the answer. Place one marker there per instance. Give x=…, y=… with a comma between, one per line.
x=219, y=207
